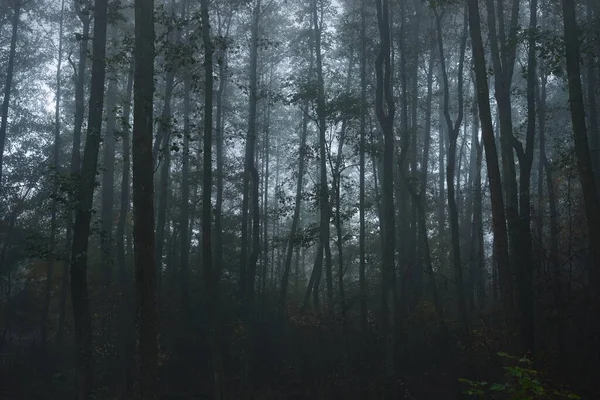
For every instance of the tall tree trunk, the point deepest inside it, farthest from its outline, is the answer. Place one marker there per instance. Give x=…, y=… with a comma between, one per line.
x=126, y=338
x=248, y=264
x=493, y=169
x=83, y=214
x=324, y=205
x=415, y=268
x=503, y=52
x=84, y=17
x=54, y=205
x=420, y=198
x=16, y=6
x=553, y=221
x=584, y=162
x=337, y=183
x=402, y=223
x=107, y=252
x=361, y=209
x=526, y=288
x=143, y=204
x=163, y=137
x=185, y=196
x=125, y=179
x=385, y=114
x=221, y=93
x=477, y=255
x=454, y=130
x=210, y=281
x=592, y=86
x=441, y=203
x=296, y=217
x=265, y=195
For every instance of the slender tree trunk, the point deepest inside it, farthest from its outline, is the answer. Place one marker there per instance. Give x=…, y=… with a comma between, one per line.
x=248, y=264
x=554, y=228
x=107, y=252
x=385, y=114
x=265, y=196
x=592, y=86
x=420, y=198
x=164, y=136
x=526, y=287
x=54, y=205
x=221, y=94
x=441, y=204
x=126, y=338
x=185, y=198
x=83, y=214
x=75, y=155
x=503, y=54
x=324, y=204
x=477, y=255
x=297, y=207
x=584, y=162
x=485, y=116
x=16, y=6
x=454, y=130
x=337, y=182
x=402, y=223
x=361, y=209
x=210, y=281
x=143, y=204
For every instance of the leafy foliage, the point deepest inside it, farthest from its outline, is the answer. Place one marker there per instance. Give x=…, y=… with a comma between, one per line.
x=522, y=382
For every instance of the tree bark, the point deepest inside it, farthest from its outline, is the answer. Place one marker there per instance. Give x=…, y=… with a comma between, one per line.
x=503, y=52
x=220, y=161
x=248, y=264
x=146, y=387
x=163, y=140
x=126, y=338
x=210, y=281
x=592, y=86
x=526, y=288
x=297, y=207
x=184, y=222
x=485, y=116
x=83, y=214
x=584, y=162
x=75, y=154
x=361, y=209
x=453, y=131
x=9, y=78
x=324, y=205
x=54, y=205
x=385, y=108
x=107, y=252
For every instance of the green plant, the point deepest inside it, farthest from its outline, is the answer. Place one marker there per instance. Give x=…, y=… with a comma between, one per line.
x=522, y=383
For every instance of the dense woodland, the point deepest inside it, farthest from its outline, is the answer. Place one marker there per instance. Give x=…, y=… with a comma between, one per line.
x=299, y=199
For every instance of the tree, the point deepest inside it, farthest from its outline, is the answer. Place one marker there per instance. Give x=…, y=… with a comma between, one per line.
x=493, y=169
x=143, y=203
x=210, y=278
x=584, y=162
x=16, y=6
x=248, y=263
x=54, y=206
x=453, y=131
x=83, y=213
x=324, y=206
x=80, y=79
x=385, y=107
